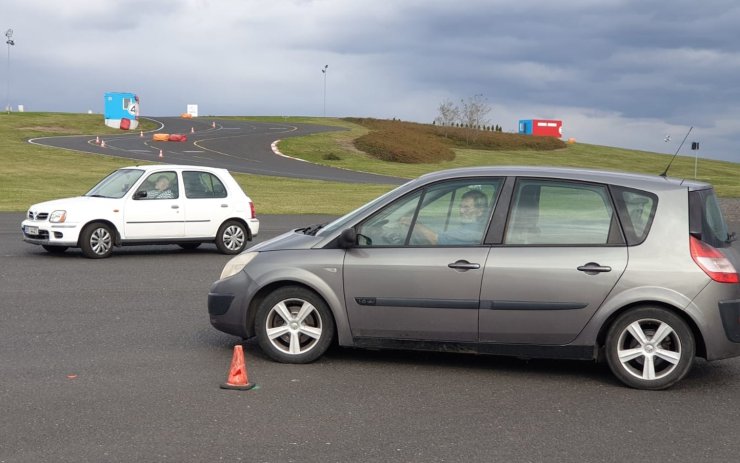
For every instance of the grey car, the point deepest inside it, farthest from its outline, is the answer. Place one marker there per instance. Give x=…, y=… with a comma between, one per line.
x=633, y=269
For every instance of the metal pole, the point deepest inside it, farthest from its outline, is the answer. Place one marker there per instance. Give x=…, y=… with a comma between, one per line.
x=9, y=42
x=324, y=72
x=696, y=158
x=7, y=85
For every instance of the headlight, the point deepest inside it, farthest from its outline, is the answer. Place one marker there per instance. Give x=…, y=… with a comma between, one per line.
x=236, y=264
x=58, y=216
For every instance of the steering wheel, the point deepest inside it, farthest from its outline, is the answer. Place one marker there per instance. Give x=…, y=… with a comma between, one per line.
x=394, y=234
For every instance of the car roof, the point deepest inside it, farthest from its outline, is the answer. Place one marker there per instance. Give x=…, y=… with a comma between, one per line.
x=627, y=179
x=150, y=167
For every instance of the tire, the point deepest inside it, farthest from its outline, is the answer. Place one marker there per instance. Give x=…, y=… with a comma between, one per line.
x=96, y=241
x=294, y=325
x=189, y=246
x=54, y=249
x=642, y=361
x=232, y=237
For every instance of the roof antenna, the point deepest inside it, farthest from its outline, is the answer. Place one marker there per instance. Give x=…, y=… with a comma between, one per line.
x=665, y=172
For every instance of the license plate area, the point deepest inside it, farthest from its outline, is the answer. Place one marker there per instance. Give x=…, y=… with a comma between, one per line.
x=32, y=230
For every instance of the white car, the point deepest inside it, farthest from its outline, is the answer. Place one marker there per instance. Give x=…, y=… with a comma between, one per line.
x=158, y=204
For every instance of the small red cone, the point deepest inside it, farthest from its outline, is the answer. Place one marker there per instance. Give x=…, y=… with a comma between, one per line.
x=141, y=134
x=192, y=129
x=97, y=140
x=102, y=143
x=161, y=155
x=213, y=124
x=237, y=378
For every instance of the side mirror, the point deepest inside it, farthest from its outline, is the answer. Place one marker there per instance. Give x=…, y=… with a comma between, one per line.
x=141, y=194
x=347, y=239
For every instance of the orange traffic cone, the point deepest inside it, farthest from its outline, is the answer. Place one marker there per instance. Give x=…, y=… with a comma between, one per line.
x=141, y=134
x=97, y=140
x=237, y=378
x=161, y=155
x=213, y=124
x=102, y=143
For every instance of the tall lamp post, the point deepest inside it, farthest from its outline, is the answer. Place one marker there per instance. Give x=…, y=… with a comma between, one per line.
x=324, y=71
x=10, y=43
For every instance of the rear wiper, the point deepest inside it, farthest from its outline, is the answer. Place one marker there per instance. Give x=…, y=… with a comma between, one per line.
x=311, y=229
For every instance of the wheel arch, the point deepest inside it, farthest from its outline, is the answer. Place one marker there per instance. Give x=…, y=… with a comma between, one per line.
x=701, y=349
x=241, y=221
x=113, y=227
x=266, y=290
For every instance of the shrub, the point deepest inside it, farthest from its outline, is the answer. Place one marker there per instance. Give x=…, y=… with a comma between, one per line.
x=410, y=142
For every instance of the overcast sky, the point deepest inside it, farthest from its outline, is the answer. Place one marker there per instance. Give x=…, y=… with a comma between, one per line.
x=617, y=72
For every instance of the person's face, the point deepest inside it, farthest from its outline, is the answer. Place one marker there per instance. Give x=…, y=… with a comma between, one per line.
x=469, y=212
x=162, y=184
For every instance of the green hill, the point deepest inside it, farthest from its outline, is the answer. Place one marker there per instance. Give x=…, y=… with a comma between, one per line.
x=34, y=173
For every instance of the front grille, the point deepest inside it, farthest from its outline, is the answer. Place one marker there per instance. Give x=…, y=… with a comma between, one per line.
x=38, y=215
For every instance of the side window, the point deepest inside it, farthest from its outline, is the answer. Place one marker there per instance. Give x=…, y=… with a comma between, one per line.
x=203, y=185
x=159, y=185
x=447, y=214
x=636, y=210
x=390, y=226
x=557, y=213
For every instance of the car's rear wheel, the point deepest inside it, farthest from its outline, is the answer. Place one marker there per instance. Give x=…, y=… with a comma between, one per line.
x=650, y=348
x=96, y=241
x=232, y=237
x=54, y=249
x=294, y=325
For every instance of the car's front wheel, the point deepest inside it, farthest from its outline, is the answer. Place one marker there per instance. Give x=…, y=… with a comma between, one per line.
x=232, y=237
x=96, y=241
x=650, y=348
x=294, y=325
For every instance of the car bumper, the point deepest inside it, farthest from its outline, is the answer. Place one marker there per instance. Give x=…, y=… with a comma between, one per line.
x=254, y=226
x=719, y=320
x=228, y=305
x=47, y=233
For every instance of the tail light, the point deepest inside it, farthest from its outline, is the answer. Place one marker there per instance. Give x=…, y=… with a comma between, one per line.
x=251, y=208
x=713, y=262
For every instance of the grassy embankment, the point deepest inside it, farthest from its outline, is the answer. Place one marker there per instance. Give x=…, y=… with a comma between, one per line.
x=315, y=148
x=33, y=173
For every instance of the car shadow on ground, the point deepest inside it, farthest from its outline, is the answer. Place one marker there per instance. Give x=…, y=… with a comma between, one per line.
x=131, y=251
x=598, y=374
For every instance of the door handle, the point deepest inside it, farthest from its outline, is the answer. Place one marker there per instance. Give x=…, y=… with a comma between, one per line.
x=224, y=205
x=463, y=265
x=592, y=268
x=175, y=206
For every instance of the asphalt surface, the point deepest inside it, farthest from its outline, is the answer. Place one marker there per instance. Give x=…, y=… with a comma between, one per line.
x=239, y=146
x=115, y=360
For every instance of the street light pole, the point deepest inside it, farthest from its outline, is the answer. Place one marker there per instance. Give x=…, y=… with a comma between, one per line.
x=10, y=43
x=324, y=71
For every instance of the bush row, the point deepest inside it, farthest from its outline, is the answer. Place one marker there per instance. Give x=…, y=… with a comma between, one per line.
x=409, y=142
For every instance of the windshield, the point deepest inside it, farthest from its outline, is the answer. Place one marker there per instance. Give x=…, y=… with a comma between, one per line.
x=341, y=223
x=116, y=184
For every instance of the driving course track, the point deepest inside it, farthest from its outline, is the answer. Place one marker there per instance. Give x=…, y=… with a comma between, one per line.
x=239, y=146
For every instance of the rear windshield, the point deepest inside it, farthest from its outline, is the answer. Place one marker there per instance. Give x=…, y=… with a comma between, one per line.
x=705, y=219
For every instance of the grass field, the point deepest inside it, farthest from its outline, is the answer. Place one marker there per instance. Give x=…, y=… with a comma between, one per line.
x=34, y=173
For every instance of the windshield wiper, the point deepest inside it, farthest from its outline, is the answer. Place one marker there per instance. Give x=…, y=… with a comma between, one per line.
x=311, y=229
x=97, y=196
